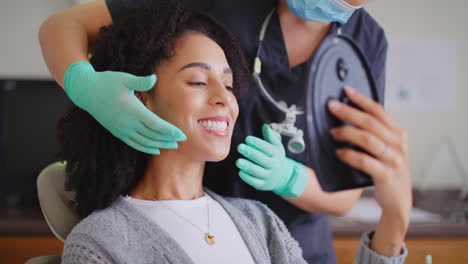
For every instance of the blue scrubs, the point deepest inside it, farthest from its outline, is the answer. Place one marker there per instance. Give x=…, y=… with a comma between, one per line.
x=244, y=18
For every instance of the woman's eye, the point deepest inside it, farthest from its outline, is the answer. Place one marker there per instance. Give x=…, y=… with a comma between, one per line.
x=197, y=83
x=230, y=88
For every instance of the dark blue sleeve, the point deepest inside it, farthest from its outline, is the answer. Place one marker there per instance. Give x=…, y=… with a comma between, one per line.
x=371, y=39
x=119, y=8
x=380, y=68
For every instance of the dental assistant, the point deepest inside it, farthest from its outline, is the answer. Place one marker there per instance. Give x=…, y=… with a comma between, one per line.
x=289, y=186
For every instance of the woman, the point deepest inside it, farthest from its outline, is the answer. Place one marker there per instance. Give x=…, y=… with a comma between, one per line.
x=143, y=208
x=296, y=29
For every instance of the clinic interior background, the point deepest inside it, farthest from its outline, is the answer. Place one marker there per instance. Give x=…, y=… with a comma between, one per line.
x=427, y=79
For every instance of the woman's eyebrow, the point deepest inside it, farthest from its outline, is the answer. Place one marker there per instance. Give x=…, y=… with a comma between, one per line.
x=203, y=66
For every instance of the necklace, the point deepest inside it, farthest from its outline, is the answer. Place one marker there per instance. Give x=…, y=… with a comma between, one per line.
x=209, y=238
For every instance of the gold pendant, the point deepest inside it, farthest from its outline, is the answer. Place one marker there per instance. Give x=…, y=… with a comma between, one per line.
x=209, y=238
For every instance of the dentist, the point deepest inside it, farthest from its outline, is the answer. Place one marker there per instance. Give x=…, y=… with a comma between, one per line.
x=286, y=182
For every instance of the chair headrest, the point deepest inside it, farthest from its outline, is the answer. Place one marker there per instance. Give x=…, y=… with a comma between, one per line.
x=56, y=203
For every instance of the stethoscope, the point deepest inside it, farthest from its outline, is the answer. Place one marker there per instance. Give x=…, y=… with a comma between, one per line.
x=287, y=128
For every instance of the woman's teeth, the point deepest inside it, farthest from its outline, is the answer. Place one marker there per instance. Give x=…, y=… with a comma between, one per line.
x=214, y=125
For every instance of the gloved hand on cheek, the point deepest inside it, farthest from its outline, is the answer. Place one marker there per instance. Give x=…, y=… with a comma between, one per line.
x=266, y=167
x=109, y=97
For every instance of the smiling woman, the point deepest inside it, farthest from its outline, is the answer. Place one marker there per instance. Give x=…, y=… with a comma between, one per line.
x=194, y=59
x=200, y=71
x=194, y=92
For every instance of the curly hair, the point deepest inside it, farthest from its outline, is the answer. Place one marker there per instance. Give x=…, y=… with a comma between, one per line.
x=100, y=167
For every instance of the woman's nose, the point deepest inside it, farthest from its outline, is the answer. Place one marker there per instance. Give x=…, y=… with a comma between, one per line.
x=220, y=95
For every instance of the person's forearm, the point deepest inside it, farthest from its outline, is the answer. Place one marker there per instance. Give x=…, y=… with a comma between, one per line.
x=315, y=200
x=389, y=235
x=65, y=37
x=63, y=42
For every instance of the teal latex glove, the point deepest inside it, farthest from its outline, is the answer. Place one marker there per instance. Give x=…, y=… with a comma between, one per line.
x=268, y=169
x=109, y=97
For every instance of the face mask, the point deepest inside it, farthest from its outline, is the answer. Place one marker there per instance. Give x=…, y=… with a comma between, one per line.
x=322, y=10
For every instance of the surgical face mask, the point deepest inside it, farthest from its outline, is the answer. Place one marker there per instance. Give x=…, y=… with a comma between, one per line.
x=322, y=10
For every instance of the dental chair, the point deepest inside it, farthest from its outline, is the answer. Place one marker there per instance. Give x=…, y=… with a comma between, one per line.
x=57, y=206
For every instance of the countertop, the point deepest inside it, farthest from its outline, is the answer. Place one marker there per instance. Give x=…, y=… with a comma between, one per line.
x=345, y=228
x=30, y=222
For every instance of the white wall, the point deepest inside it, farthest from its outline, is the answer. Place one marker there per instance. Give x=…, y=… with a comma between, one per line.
x=433, y=163
x=20, y=55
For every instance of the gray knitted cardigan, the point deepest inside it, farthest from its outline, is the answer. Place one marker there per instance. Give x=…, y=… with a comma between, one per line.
x=121, y=234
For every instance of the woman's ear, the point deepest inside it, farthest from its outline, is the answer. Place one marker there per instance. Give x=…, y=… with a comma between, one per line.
x=143, y=97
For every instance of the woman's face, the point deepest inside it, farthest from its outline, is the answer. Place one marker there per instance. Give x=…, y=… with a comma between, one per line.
x=194, y=93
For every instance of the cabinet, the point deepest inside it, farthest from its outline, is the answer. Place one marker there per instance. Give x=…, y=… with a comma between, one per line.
x=17, y=250
x=443, y=250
